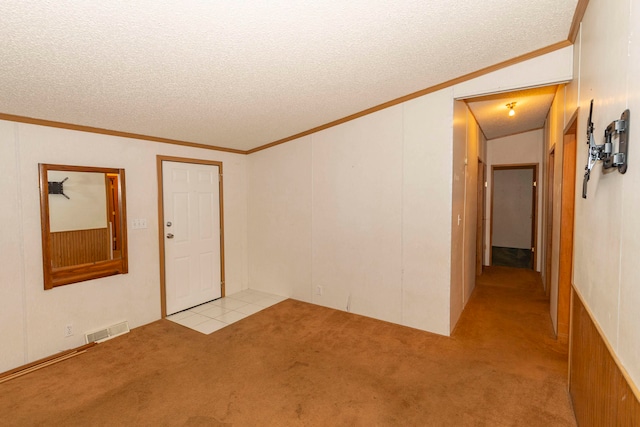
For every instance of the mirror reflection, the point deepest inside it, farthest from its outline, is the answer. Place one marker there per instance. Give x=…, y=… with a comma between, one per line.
x=84, y=232
x=83, y=218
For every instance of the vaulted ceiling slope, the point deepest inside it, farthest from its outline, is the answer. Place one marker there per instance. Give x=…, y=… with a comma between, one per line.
x=243, y=74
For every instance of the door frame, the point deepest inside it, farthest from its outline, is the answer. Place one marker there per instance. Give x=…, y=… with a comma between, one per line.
x=567, y=222
x=534, y=214
x=159, y=160
x=548, y=215
x=480, y=213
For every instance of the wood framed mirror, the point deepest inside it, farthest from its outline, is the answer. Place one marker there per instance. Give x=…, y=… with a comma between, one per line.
x=83, y=221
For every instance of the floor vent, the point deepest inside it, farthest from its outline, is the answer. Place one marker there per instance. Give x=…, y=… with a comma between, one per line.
x=107, y=333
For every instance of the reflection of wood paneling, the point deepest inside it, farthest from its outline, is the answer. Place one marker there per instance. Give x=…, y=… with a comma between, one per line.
x=79, y=247
x=600, y=392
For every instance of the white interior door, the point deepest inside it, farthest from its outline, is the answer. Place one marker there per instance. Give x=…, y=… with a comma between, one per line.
x=191, y=234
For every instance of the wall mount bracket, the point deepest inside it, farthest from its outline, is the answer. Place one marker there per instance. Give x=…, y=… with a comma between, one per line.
x=604, y=151
x=58, y=187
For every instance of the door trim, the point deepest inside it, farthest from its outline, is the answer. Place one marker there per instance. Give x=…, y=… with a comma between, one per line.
x=567, y=222
x=548, y=216
x=159, y=160
x=534, y=215
x=480, y=214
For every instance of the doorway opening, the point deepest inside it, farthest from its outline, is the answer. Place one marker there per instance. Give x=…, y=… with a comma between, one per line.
x=513, y=215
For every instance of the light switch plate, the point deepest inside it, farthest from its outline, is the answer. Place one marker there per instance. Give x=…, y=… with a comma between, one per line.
x=139, y=223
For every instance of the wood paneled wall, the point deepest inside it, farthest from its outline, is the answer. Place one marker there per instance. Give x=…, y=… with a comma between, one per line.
x=79, y=247
x=599, y=389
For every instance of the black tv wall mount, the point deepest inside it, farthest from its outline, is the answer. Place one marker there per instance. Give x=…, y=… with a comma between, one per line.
x=604, y=152
x=57, y=187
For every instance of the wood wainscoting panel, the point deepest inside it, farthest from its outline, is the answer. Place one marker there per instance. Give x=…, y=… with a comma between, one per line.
x=600, y=391
x=79, y=247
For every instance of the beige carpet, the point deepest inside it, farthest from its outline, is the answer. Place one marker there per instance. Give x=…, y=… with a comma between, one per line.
x=296, y=364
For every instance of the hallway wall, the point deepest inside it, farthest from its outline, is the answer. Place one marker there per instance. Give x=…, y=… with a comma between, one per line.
x=607, y=232
x=469, y=145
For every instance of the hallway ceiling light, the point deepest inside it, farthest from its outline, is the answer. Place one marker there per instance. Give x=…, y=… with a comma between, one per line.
x=511, y=110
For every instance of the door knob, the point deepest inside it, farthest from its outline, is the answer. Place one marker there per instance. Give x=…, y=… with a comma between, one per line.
x=169, y=236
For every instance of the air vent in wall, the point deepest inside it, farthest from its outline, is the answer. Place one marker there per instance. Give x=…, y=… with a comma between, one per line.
x=107, y=333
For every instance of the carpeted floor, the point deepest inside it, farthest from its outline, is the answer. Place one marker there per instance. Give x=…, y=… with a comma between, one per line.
x=296, y=364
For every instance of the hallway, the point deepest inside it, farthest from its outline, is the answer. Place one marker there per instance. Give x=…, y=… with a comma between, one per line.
x=506, y=330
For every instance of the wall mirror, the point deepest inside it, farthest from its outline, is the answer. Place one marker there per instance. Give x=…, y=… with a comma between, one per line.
x=83, y=221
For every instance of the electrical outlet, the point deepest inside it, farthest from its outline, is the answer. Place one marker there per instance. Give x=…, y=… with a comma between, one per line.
x=319, y=290
x=68, y=330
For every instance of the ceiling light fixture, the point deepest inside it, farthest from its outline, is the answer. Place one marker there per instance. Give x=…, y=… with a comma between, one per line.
x=511, y=110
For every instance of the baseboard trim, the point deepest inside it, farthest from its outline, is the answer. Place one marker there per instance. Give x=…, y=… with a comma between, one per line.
x=41, y=363
x=601, y=389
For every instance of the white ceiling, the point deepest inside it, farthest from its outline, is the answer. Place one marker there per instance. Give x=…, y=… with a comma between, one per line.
x=241, y=74
x=531, y=109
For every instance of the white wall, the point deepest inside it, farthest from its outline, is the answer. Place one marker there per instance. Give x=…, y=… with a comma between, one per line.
x=34, y=319
x=357, y=215
x=426, y=211
x=523, y=148
x=607, y=232
x=86, y=207
x=361, y=210
x=554, y=67
x=279, y=219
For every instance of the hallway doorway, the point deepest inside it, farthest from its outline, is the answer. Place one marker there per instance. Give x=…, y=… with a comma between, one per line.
x=513, y=218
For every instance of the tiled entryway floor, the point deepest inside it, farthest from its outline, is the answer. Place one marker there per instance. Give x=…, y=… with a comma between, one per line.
x=217, y=314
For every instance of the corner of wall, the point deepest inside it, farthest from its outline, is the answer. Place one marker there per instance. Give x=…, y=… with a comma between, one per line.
x=13, y=348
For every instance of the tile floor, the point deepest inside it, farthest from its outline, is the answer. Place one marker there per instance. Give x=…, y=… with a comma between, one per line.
x=217, y=314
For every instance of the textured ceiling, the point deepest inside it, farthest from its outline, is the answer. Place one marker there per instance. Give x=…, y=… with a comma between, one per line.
x=243, y=74
x=531, y=109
